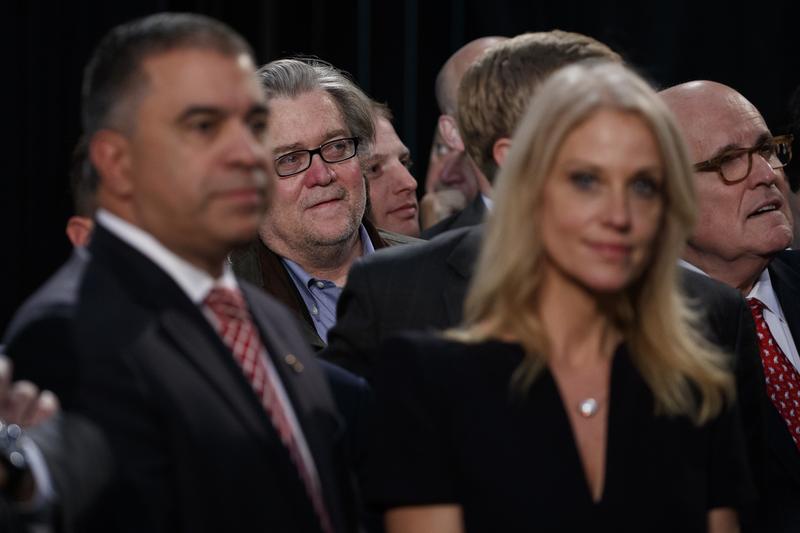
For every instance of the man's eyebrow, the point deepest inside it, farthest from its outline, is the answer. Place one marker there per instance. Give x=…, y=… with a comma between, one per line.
x=764, y=137
x=257, y=109
x=193, y=111
x=291, y=147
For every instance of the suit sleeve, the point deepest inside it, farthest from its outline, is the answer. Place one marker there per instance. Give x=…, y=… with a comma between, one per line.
x=353, y=341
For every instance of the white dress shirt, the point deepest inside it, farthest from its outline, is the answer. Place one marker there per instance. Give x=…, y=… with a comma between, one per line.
x=197, y=283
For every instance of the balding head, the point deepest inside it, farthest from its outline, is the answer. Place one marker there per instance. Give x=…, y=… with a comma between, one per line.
x=451, y=72
x=741, y=224
x=707, y=112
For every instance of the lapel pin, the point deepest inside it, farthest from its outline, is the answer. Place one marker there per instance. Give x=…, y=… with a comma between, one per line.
x=293, y=362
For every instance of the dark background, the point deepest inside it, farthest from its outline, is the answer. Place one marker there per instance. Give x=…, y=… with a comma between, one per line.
x=393, y=49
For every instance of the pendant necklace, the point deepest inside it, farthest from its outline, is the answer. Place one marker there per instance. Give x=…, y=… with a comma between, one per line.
x=588, y=407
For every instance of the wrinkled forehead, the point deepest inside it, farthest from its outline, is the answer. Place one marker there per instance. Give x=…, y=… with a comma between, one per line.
x=725, y=121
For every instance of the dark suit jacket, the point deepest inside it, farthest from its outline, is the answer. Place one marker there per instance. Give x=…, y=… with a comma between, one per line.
x=78, y=462
x=263, y=268
x=193, y=447
x=782, y=499
x=471, y=215
x=419, y=286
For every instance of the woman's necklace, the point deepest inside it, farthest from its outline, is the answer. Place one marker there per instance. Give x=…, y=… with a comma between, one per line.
x=588, y=407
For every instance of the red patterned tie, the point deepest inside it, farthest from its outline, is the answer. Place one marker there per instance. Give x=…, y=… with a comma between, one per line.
x=783, y=380
x=239, y=333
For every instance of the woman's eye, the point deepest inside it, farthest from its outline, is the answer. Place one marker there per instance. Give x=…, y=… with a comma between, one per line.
x=583, y=180
x=645, y=186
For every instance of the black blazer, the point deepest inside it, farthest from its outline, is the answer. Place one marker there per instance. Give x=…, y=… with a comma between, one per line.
x=193, y=447
x=472, y=215
x=419, y=286
x=782, y=499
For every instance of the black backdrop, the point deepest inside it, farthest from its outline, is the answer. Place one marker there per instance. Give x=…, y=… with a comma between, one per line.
x=392, y=48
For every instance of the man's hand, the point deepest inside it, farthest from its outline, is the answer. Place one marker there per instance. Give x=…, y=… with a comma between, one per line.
x=21, y=402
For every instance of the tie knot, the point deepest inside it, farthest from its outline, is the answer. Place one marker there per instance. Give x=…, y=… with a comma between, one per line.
x=755, y=304
x=228, y=303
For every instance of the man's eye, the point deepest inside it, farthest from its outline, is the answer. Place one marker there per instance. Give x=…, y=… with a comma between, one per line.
x=258, y=127
x=408, y=163
x=373, y=171
x=583, y=180
x=203, y=126
x=724, y=159
x=289, y=159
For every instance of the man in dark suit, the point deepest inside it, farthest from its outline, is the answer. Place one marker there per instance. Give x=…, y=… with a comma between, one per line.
x=217, y=417
x=744, y=226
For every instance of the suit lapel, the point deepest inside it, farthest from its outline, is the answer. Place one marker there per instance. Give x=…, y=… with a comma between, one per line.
x=185, y=327
x=461, y=263
x=786, y=284
x=214, y=361
x=306, y=389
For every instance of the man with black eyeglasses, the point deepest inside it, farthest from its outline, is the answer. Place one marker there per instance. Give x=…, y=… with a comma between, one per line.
x=744, y=226
x=320, y=125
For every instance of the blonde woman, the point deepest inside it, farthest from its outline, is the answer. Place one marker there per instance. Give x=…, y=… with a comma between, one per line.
x=578, y=396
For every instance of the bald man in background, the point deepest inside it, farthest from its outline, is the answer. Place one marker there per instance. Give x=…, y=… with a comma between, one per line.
x=743, y=229
x=453, y=181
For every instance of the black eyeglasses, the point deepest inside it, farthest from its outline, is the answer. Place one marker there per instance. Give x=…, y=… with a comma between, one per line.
x=735, y=165
x=334, y=151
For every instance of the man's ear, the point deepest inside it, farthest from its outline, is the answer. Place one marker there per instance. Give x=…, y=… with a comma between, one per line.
x=448, y=129
x=500, y=150
x=109, y=152
x=79, y=230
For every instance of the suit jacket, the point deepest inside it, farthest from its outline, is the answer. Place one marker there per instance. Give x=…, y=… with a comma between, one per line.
x=782, y=498
x=472, y=215
x=419, y=286
x=263, y=268
x=78, y=462
x=193, y=448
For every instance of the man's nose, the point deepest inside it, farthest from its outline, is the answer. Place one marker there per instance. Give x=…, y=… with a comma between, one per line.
x=405, y=181
x=761, y=171
x=245, y=149
x=319, y=172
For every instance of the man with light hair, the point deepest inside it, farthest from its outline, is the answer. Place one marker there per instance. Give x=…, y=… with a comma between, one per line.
x=743, y=230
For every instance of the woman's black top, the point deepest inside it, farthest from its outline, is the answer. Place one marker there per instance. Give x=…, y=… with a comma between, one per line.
x=451, y=429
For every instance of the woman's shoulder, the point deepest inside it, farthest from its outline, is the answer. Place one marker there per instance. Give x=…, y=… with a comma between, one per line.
x=434, y=353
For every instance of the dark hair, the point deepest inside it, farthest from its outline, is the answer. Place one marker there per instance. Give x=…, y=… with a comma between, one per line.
x=83, y=180
x=114, y=71
x=295, y=76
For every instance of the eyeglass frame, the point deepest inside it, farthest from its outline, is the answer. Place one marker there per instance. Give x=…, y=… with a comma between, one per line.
x=317, y=151
x=715, y=163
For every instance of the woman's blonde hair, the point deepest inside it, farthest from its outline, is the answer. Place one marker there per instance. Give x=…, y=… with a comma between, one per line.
x=686, y=374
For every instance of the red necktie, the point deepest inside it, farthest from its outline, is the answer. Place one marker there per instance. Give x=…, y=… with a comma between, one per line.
x=783, y=380
x=241, y=336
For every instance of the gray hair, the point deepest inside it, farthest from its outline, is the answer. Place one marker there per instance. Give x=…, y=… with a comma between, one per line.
x=289, y=78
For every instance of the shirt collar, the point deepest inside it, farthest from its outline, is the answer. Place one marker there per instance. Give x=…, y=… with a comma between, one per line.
x=487, y=202
x=193, y=281
x=688, y=266
x=763, y=291
x=305, y=278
